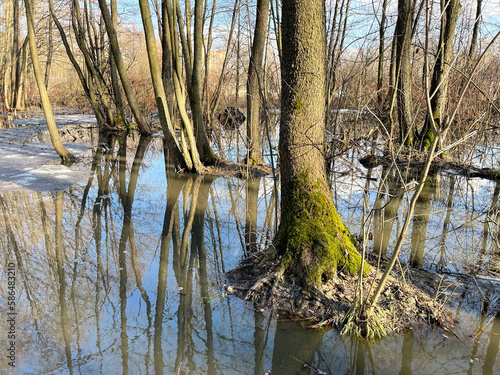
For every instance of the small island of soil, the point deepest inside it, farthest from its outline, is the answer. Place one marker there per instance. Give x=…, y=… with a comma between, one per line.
x=409, y=298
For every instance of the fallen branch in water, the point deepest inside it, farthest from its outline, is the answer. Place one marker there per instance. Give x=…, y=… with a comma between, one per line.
x=484, y=327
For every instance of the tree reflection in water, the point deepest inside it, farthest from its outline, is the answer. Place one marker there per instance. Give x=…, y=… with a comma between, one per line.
x=125, y=274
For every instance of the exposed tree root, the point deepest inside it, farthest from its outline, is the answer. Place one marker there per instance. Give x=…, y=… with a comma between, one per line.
x=409, y=299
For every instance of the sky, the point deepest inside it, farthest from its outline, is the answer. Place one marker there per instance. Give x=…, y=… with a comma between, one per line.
x=362, y=22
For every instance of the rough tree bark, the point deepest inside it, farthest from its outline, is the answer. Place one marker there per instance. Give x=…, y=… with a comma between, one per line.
x=312, y=239
x=440, y=76
x=402, y=33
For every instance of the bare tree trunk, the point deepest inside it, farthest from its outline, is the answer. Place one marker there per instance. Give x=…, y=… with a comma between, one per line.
x=181, y=161
x=238, y=59
x=167, y=68
x=475, y=30
x=206, y=153
x=6, y=52
x=20, y=93
x=216, y=96
x=255, y=71
x=381, y=53
x=185, y=40
x=277, y=24
x=337, y=38
x=89, y=91
x=127, y=87
x=50, y=53
x=93, y=74
x=15, y=55
x=114, y=73
x=51, y=124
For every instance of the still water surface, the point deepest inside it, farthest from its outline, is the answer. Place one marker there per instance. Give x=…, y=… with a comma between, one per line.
x=125, y=275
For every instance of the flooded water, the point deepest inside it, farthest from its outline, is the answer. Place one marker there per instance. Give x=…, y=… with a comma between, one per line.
x=125, y=274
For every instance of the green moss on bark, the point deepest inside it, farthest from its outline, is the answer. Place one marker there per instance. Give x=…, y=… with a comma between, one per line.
x=429, y=137
x=312, y=239
x=209, y=157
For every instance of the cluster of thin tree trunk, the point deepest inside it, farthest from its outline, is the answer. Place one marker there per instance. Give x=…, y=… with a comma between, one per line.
x=180, y=71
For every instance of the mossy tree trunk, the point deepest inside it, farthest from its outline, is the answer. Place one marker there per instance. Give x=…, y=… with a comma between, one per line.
x=439, y=83
x=44, y=96
x=312, y=240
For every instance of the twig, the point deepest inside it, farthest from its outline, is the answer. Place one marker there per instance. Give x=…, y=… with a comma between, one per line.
x=482, y=329
x=439, y=286
x=309, y=367
x=322, y=323
x=447, y=299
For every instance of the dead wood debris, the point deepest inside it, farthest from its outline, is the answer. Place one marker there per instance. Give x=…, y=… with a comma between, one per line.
x=403, y=304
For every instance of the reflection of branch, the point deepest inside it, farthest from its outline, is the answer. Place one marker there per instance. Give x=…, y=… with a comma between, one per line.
x=308, y=366
x=137, y=272
x=174, y=187
x=61, y=279
x=233, y=210
x=217, y=225
x=493, y=220
x=189, y=222
x=199, y=247
x=17, y=252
